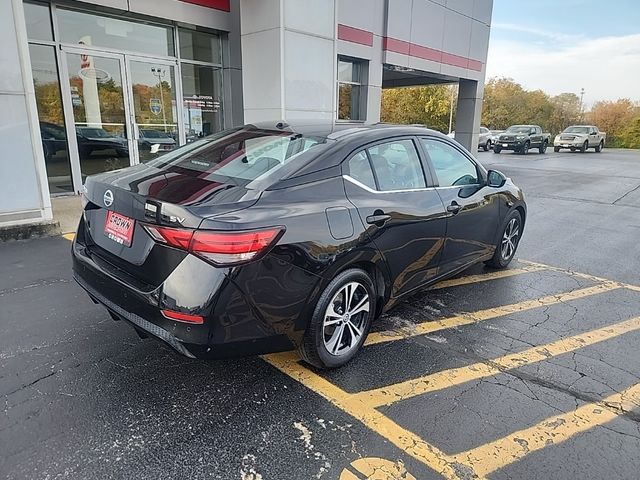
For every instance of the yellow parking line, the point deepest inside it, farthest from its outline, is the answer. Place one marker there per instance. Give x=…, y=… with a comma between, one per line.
x=407, y=441
x=490, y=313
x=457, y=376
x=69, y=236
x=492, y=456
x=483, y=277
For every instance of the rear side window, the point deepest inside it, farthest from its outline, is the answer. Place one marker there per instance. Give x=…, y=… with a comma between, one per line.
x=451, y=167
x=397, y=165
x=360, y=170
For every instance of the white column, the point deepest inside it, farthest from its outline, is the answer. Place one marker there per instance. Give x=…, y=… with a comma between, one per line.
x=469, y=112
x=288, y=59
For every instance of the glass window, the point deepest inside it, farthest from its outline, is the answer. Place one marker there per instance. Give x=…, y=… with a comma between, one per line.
x=397, y=165
x=88, y=29
x=242, y=155
x=351, y=91
x=38, y=21
x=199, y=46
x=452, y=167
x=360, y=170
x=202, y=100
x=51, y=118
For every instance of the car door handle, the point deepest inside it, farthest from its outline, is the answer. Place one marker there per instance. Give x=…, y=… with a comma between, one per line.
x=454, y=208
x=378, y=218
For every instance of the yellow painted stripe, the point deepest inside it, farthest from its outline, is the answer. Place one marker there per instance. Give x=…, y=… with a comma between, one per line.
x=490, y=313
x=483, y=277
x=405, y=440
x=497, y=454
x=457, y=376
x=69, y=236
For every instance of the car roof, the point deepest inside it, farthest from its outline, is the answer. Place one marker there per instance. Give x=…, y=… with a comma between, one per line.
x=335, y=130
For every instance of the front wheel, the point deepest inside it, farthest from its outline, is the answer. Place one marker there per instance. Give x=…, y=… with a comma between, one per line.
x=600, y=146
x=556, y=149
x=340, y=321
x=497, y=149
x=543, y=147
x=525, y=148
x=584, y=146
x=508, y=242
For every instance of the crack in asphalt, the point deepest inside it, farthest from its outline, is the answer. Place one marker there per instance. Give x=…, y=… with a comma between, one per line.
x=46, y=282
x=630, y=191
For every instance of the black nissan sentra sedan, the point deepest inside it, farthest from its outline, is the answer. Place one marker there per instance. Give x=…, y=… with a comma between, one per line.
x=270, y=237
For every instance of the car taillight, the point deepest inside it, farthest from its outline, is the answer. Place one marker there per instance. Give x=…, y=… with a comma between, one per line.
x=218, y=247
x=183, y=317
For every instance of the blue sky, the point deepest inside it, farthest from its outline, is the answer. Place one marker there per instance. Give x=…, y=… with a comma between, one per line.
x=571, y=44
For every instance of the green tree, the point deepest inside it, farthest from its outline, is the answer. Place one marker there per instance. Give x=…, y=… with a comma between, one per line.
x=630, y=137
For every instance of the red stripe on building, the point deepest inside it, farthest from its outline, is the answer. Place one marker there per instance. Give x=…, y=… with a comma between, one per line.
x=355, y=35
x=224, y=5
x=419, y=51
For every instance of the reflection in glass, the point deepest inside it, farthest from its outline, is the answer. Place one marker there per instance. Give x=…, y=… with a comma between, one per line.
x=199, y=46
x=348, y=101
x=154, y=108
x=88, y=29
x=51, y=117
x=202, y=100
x=98, y=113
x=38, y=21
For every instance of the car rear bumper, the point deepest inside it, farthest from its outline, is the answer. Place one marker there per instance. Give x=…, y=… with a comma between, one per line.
x=235, y=324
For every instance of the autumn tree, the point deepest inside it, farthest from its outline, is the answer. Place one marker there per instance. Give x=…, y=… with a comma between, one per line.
x=426, y=105
x=613, y=117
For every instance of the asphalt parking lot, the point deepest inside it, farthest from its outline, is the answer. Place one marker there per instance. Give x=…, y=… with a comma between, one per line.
x=532, y=372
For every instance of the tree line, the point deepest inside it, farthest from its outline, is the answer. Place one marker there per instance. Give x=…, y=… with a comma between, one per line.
x=507, y=103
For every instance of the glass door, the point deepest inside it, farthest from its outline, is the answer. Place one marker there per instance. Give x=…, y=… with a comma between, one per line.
x=100, y=110
x=154, y=108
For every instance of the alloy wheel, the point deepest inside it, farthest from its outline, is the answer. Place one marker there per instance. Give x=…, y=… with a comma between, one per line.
x=510, y=239
x=345, y=319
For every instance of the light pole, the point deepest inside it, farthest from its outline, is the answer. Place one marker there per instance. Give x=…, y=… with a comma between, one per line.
x=581, y=104
x=160, y=73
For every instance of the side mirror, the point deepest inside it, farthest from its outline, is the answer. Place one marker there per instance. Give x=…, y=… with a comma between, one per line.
x=495, y=179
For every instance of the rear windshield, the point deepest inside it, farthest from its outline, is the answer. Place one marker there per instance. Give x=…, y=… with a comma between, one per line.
x=241, y=155
x=576, y=130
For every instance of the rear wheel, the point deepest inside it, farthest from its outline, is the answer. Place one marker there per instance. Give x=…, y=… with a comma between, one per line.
x=543, y=148
x=508, y=242
x=340, y=321
x=600, y=146
x=556, y=149
x=584, y=146
x=487, y=146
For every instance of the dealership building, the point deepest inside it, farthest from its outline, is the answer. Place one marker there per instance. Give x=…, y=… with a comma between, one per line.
x=90, y=86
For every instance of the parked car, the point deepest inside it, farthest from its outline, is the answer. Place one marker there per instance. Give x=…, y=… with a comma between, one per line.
x=485, y=140
x=494, y=135
x=270, y=237
x=150, y=137
x=580, y=137
x=92, y=139
x=521, y=138
x=54, y=139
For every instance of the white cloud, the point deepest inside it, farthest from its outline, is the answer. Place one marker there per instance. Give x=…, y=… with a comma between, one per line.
x=608, y=68
x=512, y=27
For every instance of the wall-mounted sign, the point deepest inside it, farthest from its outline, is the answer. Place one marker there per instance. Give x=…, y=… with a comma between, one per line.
x=155, y=106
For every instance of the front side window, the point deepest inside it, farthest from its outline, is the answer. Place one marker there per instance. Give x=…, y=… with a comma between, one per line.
x=351, y=91
x=397, y=166
x=451, y=167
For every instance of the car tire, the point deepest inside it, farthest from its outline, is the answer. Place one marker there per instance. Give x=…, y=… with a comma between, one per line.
x=543, y=148
x=497, y=149
x=556, y=149
x=507, y=244
x=573, y=149
x=332, y=337
x=47, y=152
x=525, y=148
x=487, y=146
x=600, y=146
x=584, y=146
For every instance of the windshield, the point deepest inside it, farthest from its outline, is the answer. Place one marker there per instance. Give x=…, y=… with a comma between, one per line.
x=576, y=130
x=518, y=129
x=242, y=154
x=95, y=132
